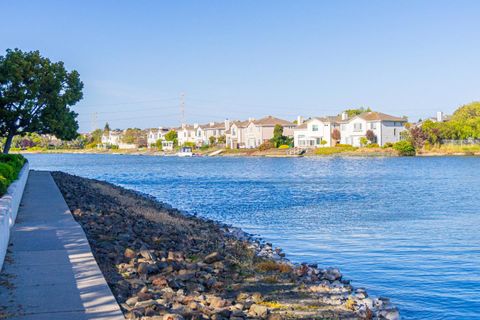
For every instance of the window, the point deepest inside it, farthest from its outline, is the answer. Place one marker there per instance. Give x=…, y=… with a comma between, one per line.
x=357, y=127
x=373, y=125
x=315, y=127
x=318, y=140
x=394, y=132
x=233, y=132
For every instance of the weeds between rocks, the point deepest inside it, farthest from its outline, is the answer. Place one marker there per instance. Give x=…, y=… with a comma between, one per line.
x=162, y=264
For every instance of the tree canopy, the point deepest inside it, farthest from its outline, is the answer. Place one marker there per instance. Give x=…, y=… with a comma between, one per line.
x=355, y=112
x=36, y=95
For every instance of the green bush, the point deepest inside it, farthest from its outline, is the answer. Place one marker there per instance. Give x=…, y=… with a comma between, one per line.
x=387, y=145
x=343, y=145
x=7, y=171
x=373, y=145
x=10, y=166
x=404, y=148
x=3, y=185
x=284, y=146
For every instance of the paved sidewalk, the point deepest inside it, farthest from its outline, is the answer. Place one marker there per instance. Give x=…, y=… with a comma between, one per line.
x=50, y=272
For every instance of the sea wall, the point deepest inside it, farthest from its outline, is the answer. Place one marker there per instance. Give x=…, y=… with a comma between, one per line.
x=9, y=204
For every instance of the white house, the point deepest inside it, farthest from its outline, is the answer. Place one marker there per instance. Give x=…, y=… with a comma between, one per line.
x=156, y=134
x=252, y=133
x=186, y=133
x=315, y=132
x=112, y=138
x=386, y=128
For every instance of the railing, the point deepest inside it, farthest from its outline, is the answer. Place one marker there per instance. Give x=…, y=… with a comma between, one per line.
x=461, y=142
x=9, y=204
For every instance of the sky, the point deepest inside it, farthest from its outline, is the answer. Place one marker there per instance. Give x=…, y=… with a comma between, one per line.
x=241, y=59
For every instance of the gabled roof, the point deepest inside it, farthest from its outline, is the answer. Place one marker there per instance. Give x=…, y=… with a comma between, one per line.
x=332, y=119
x=214, y=125
x=272, y=121
x=378, y=116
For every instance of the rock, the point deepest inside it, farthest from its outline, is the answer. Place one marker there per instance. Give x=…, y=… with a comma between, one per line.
x=160, y=281
x=172, y=316
x=332, y=274
x=257, y=310
x=132, y=301
x=145, y=304
x=142, y=268
x=129, y=253
x=390, y=314
x=213, y=257
x=217, y=302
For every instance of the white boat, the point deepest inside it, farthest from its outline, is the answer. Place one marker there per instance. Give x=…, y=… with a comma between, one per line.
x=185, y=152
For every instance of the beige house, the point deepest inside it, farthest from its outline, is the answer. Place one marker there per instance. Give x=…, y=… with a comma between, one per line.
x=252, y=133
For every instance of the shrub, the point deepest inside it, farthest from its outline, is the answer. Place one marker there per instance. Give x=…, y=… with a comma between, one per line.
x=404, y=148
x=284, y=146
x=14, y=160
x=266, y=145
x=387, y=145
x=373, y=145
x=343, y=145
x=7, y=171
x=3, y=185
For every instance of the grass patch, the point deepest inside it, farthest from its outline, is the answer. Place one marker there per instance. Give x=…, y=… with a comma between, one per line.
x=334, y=150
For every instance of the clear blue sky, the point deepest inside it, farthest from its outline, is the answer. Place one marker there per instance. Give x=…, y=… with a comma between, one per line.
x=236, y=59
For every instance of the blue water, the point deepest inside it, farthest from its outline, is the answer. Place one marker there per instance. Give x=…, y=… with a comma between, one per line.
x=405, y=228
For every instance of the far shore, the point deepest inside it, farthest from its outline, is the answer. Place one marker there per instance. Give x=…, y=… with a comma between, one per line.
x=270, y=153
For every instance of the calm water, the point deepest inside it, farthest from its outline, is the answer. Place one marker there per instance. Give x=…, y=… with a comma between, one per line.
x=405, y=228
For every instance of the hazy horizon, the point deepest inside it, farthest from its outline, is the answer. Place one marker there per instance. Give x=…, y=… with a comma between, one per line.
x=251, y=59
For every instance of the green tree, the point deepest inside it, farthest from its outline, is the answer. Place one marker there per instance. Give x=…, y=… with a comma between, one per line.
x=36, y=95
x=172, y=135
x=466, y=112
x=106, y=128
x=355, y=112
x=278, y=137
x=363, y=141
x=222, y=139
x=212, y=140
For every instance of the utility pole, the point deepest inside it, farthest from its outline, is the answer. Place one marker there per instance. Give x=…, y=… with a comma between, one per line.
x=182, y=107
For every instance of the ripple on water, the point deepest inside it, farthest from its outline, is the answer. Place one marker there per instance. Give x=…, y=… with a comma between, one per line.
x=405, y=228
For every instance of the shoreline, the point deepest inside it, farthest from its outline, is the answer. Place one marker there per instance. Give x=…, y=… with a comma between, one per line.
x=255, y=154
x=160, y=261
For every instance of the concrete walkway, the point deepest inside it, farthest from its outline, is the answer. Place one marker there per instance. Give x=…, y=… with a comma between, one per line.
x=50, y=272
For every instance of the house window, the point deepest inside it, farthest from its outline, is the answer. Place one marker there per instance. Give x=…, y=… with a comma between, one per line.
x=315, y=127
x=357, y=127
x=233, y=132
x=373, y=125
x=318, y=140
x=394, y=132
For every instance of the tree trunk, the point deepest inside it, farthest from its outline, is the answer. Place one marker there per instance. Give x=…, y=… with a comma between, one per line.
x=8, y=143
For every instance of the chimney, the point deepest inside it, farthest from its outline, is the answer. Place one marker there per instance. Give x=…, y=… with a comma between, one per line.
x=440, y=116
x=227, y=124
x=344, y=116
x=299, y=120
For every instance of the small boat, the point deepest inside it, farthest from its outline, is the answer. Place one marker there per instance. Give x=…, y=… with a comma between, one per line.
x=185, y=152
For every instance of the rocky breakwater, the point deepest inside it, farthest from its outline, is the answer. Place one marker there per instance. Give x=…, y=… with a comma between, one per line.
x=162, y=264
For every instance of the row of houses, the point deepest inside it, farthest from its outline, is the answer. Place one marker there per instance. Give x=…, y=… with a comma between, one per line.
x=310, y=133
